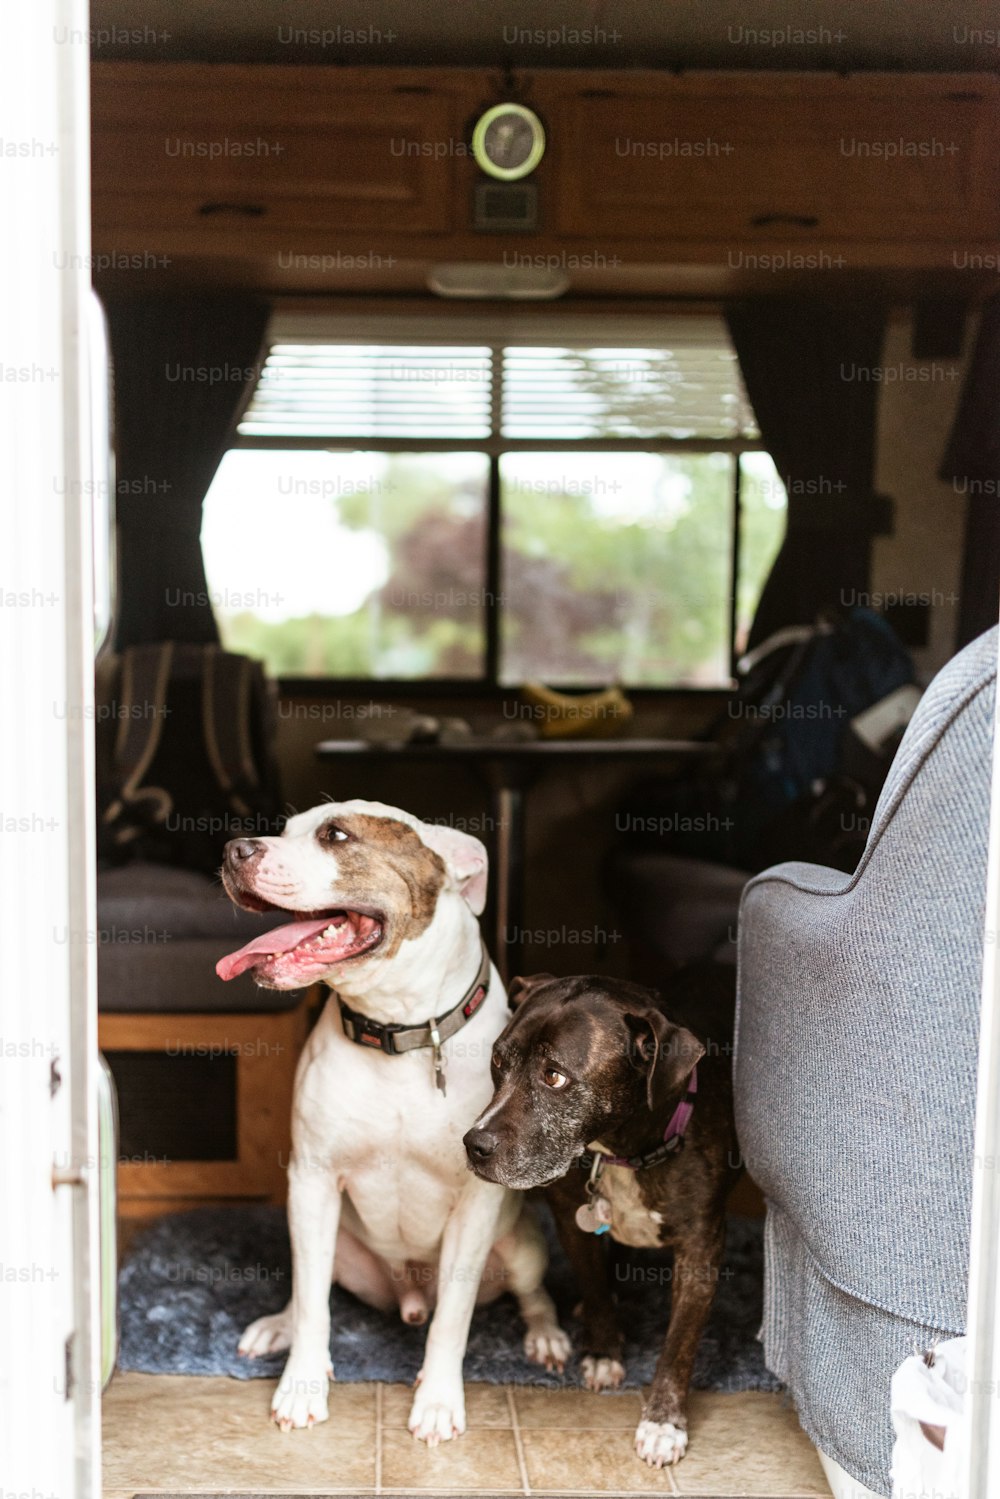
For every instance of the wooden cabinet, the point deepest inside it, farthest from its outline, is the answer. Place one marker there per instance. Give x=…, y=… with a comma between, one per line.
x=804, y=157
x=292, y=178
x=198, y=147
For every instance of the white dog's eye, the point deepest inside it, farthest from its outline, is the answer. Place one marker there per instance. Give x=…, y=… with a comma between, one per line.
x=552, y=1078
x=339, y=836
x=330, y=833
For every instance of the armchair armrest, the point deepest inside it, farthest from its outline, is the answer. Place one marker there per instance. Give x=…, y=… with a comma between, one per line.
x=855, y=1084
x=858, y=1020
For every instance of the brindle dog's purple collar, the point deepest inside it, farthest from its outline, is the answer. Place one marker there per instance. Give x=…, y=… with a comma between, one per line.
x=673, y=1136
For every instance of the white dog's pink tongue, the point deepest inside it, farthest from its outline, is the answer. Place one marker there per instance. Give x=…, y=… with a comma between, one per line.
x=279, y=939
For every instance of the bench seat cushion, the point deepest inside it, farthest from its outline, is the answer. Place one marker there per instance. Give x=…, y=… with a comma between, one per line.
x=161, y=932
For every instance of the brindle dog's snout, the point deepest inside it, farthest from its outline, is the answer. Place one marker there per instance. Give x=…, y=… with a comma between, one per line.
x=240, y=852
x=479, y=1144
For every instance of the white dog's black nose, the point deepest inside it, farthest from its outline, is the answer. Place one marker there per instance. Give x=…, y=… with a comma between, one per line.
x=480, y=1145
x=240, y=851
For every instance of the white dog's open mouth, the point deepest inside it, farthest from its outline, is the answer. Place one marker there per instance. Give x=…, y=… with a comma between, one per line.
x=297, y=953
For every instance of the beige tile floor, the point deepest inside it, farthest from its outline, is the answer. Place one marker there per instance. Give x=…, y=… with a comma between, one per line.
x=183, y=1434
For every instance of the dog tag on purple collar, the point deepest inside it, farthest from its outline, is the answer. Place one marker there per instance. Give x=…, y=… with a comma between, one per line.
x=594, y=1217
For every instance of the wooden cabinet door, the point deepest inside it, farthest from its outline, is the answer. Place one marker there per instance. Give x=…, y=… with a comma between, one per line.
x=781, y=157
x=294, y=149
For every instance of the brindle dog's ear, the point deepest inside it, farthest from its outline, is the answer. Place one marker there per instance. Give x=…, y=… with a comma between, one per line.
x=665, y=1052
x=518, y=989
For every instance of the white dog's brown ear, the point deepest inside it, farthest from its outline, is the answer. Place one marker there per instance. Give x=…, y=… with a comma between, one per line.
x=465, y=858
x=519, y=988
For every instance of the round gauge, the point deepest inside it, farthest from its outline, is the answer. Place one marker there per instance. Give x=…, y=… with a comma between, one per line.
x=508, y=141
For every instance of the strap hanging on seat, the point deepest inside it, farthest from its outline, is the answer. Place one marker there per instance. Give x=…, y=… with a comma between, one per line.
x=142, y=705
x=226, y=687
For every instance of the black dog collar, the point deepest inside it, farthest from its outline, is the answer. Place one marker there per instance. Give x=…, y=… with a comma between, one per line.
x=395, y=1039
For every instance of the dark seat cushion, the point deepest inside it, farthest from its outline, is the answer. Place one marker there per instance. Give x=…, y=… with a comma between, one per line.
x=684, y=909
x=161, y=932
x=179, y=901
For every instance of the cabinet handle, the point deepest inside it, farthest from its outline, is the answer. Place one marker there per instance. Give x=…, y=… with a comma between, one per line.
x=237, y=210
x=797, y=220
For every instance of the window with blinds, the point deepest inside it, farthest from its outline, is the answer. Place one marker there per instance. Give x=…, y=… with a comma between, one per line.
x=677, y=381
x=369, y=391
x=494, y=498
x=582, y=393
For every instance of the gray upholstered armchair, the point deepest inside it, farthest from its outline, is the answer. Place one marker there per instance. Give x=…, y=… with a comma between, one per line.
x=856, y=1073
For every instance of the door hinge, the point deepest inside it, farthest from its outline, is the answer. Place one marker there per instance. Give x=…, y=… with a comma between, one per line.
x=70, y=1176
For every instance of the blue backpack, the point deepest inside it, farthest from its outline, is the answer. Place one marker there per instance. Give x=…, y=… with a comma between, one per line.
x=787, y=764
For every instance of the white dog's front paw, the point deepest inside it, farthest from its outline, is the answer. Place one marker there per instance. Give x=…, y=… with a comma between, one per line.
x=549, y=1346
x=438, y=1412
x=300, y=1399
x=602, y=1373
x=660, y=1443
x=267, y=1335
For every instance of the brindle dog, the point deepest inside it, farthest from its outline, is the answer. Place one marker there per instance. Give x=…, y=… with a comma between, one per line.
x=590, y=1066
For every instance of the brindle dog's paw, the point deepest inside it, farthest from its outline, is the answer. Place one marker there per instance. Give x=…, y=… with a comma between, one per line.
x=602, y=1373
x=660, y=1443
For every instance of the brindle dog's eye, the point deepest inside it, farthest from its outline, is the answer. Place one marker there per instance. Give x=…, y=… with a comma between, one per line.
x=495, y=1061
x=552, y=1078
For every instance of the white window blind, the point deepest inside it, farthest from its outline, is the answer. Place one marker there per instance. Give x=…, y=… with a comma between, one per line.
x=372, y=391
x=569, y=379
x=626, y=392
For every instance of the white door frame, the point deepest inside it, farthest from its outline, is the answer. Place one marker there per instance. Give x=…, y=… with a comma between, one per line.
x=49, y=1370
x=983, y=1364
x=49, y=1322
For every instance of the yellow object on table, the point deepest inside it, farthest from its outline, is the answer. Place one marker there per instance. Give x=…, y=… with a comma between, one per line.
x=567, y=715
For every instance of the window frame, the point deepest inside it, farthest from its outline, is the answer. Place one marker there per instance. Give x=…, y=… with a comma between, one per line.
x=494, y=448
x=501, y=326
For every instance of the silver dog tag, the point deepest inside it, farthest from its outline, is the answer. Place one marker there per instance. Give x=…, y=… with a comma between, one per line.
x=594, y=1217
x=439, y=1078
x=586, y=1218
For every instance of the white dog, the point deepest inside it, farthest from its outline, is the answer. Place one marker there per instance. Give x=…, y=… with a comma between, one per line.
x=380, y=1198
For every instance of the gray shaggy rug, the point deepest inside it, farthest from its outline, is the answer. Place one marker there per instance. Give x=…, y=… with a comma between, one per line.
x=192, y=1281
